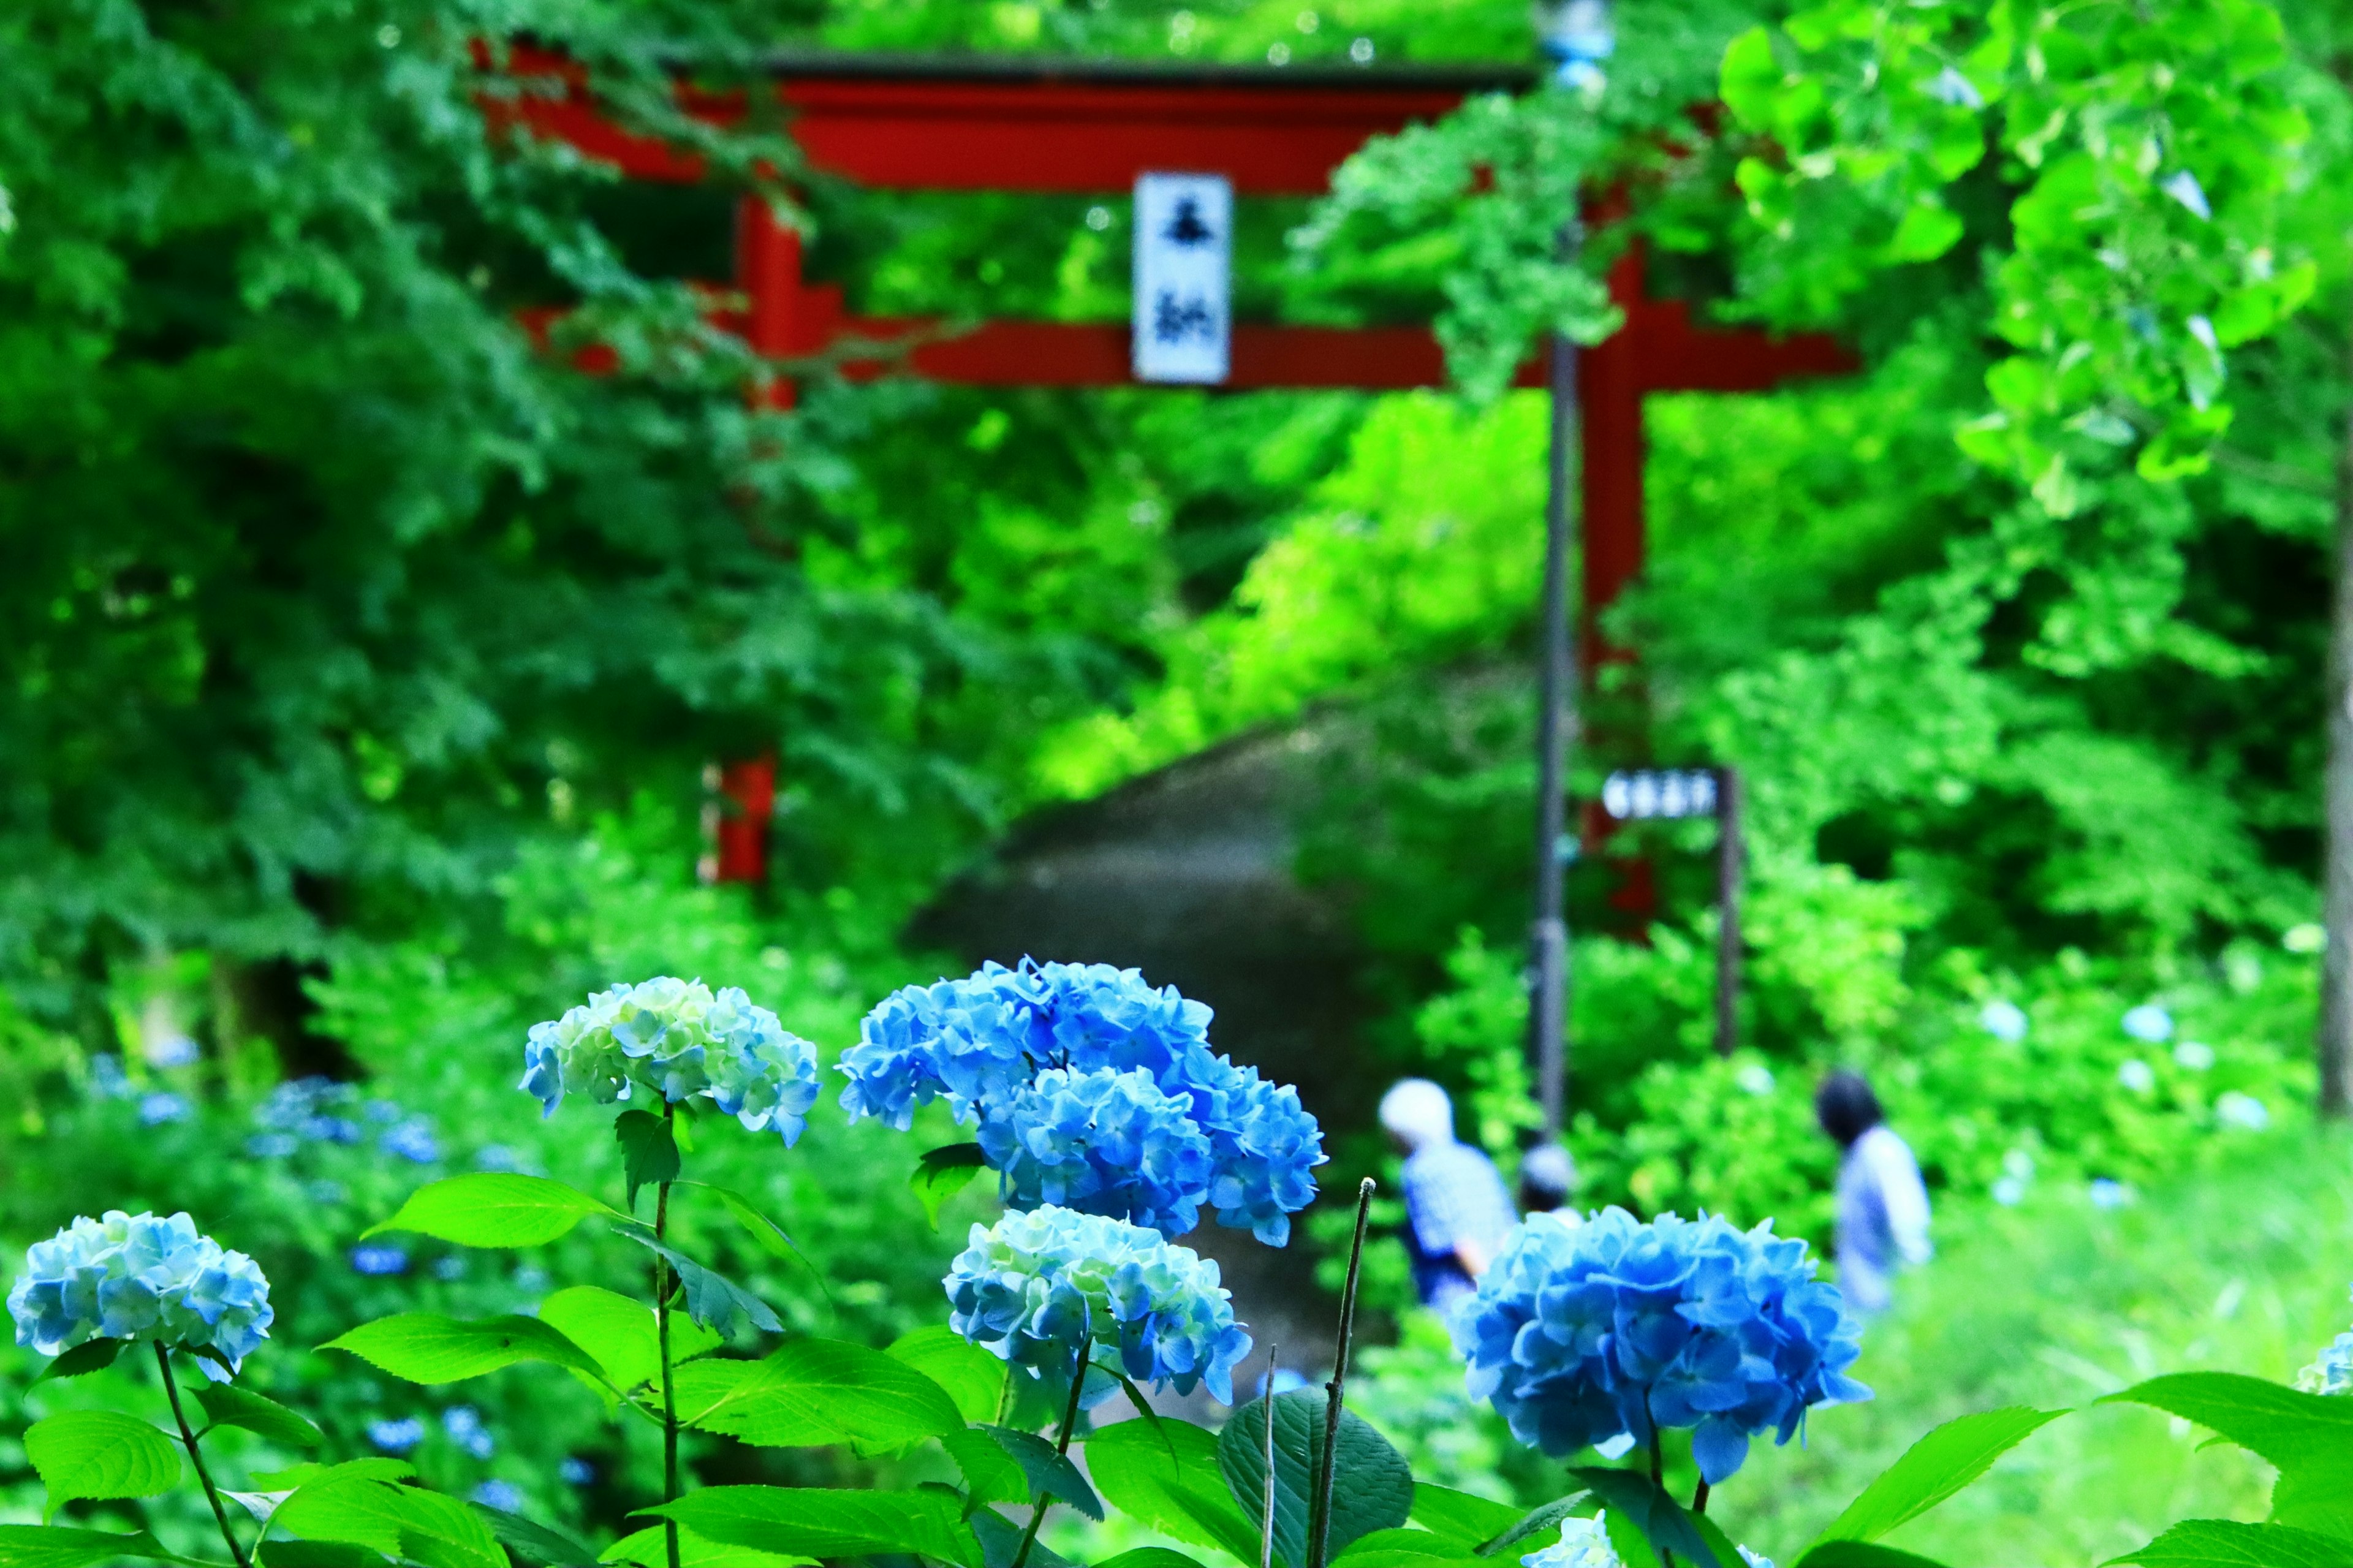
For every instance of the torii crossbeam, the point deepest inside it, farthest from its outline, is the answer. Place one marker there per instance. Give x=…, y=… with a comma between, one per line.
x=899, y=123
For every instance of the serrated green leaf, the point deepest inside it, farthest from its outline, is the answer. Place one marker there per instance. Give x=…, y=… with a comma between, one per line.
x=943, y=1173
x=711, y=1299
x=100, y=1454
x=85, y=1358
x=58, y=1546
x=825, y=1391
x=1537, y=1520
x=1000, y=1542
x=290, y=1553
x=649, y=1548
x=1372, y=1488
x=2227, y=1543
x=648, y=1153
x=1462, y=1518
x=974, y=1377
x=1862, y=1554
x=1633, y=1498
x=1050, y=1473
x=989, y=1473
x=426, y=1347
x=2305, y=1436
x=495, y=1209
x=817, y=1522
x=1149, y=1557
x=400, y=1522
x=1934, y=1468
x=622, y=1333
x=533, y=1541
x=1164, y=1474
x=229, y=1405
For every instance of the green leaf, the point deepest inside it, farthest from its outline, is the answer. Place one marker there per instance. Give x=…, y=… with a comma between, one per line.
x=1462, y=1518
x=974, y=1378
x=100, y=1454
x=401, y=1522
x=1862, y=1554
x=1000, y=1542
x=533, y=1541
x=426, y=1347
x=816, y=1523
x=55, y=1546
x=1634, y=1499
x=989, y=1473
x=495, y=1209
x=2305, y=1436
x=1934, y=1468
x=1149, y=1557
x=1409, y=1549
x=229, y=1405
x=1372, y=1487
x=1164, y=1474
x=1050, y=1473
x=2226, y=1544
x=944, y=1172
x=649, y=1548
x=621, y=1335
x=648, y=1153
x=824, y=1391
x=1541, y=1519
x=282, y=1553
x=711, y=1299
x=84, y=1358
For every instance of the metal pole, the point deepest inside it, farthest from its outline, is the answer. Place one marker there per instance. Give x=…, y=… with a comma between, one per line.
x=1555, y=723
x=1729, y=853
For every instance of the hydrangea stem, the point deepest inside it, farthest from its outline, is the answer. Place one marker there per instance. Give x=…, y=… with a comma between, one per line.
x=195, y=1453
x=1699, y=1496
x=1319, y=1513
x=1266, y=1518
x=1061, y=1445
x=661, y=1332
x=1658, y=1474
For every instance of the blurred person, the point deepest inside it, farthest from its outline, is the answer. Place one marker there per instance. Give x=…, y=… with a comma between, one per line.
x=1457, y=1211
x=1548, y=1182
x=1883, y=1208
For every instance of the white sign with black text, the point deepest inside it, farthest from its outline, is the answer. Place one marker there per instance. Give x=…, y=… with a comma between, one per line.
x=1183, y=287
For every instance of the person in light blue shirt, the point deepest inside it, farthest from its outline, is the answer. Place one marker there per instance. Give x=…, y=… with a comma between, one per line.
x=1458, y=1214
x=1882, y=1206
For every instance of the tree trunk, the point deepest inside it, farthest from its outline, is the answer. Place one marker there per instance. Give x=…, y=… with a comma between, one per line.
x=2337, y=966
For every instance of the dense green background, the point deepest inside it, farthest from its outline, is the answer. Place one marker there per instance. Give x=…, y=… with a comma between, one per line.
x=358, y=665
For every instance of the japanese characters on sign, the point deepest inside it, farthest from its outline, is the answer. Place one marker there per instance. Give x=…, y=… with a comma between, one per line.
x=1631, y=795
x=1184, y=255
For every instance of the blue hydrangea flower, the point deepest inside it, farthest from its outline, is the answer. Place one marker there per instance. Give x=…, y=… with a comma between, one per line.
x=412, y=1141
x=155, y=1110
x=138, y=1277
x=2004, y=1020
x=500, y=1495
x=576, y=1471
x=1583, y=1543
x=675, y=1039
x=2332, y=1373
x=464, y=1425
x=1033, y=1285
x=1579, y=1334
x=987, y=1045
x=2149, y=1024
x=379, y=1260
x=396, y=1437
x=1100, y=1141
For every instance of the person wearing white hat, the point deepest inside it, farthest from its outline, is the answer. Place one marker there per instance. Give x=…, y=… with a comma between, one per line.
x=1457, y=1211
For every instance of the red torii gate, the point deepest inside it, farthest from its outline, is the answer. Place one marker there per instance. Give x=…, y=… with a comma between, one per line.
x=900, y=123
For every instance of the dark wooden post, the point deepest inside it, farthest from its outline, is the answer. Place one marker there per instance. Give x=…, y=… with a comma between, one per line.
x=1729, y=852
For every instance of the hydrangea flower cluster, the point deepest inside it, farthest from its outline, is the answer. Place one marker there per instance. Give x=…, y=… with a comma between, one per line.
x=1033, y=1285
x=676, y=1039
x=1092, y=1090
x=136, y=1277
x=1585, y=1333
x=2332, y=1370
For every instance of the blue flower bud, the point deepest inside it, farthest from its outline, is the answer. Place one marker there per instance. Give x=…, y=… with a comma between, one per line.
x=675, y=1039
x=1034, y=1284
x=138, y=1277
x=1580, y=1334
